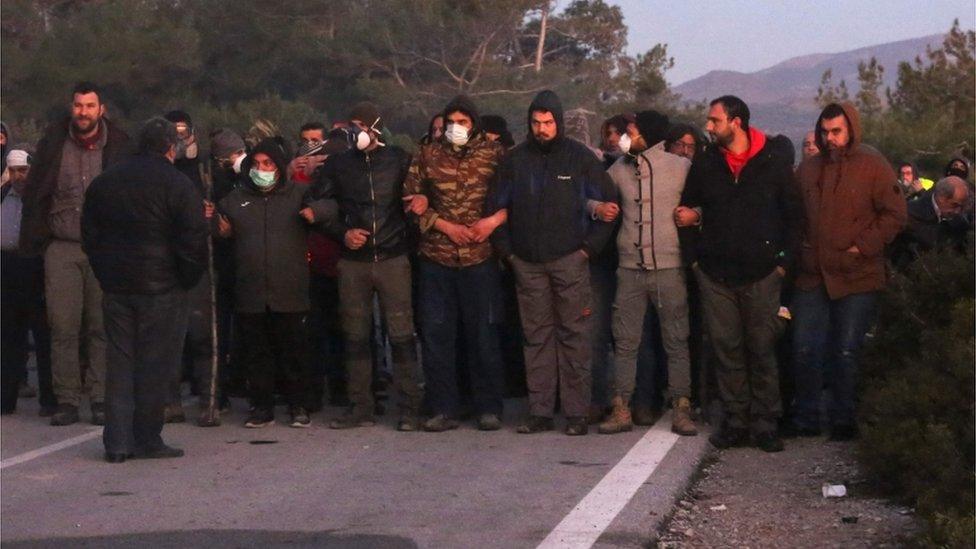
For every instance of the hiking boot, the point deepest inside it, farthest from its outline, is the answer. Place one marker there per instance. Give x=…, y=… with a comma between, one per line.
x=729, y=437
x=66, y=414
x=643, y=415
x=260, y=417
x=843, y=433
x=408, y=423
x=535, y=424
x=351, y=420
x=440, y=423
x=791, y=430
x=299, y=418
x=158, y=452
x=576, y=426
x=489, y=422
x=681, y=422
x=173, y=413
x=619, y=421
x=769, y=442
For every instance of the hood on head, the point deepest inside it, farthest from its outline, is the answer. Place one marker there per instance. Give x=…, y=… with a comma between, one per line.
x=548, y=101
x=958, y=158
x=464, y=104
x=853, y=124
x=274, y=149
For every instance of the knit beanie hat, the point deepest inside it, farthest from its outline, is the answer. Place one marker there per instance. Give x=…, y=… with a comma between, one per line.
x=225, y=142
x=368, y=114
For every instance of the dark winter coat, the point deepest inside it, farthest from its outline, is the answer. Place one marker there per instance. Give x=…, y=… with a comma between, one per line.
x=143, y=228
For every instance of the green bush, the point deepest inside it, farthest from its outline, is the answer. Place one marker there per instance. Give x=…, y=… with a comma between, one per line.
x=917, y=399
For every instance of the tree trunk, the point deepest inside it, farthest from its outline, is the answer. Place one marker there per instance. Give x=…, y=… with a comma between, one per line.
x=542, y=36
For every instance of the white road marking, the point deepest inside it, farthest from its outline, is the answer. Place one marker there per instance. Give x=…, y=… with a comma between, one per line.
x=593, y=514
x=51, y=448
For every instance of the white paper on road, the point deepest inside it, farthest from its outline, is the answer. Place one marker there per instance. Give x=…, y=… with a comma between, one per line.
x=594, y=513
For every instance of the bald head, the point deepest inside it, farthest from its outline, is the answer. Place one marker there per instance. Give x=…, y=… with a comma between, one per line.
x=951, y=195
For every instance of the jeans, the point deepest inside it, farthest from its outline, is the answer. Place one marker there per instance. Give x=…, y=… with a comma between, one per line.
x=472, y=294
x=604, y=283
x=827, y=339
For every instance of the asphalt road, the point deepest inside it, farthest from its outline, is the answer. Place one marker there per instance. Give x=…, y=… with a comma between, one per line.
x=316, y=487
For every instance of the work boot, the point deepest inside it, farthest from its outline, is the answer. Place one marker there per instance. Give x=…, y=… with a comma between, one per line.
x=534, y=424
x=173, y=413
x=98, y=413
x=440, y=423
x=619, y=421
x=643, y=415
x=681, y=422
x=576, y=426
x=66, y=414
x=489, y=422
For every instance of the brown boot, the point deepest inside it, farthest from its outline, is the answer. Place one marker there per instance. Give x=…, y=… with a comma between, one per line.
x=619, y=420
x=681, y=422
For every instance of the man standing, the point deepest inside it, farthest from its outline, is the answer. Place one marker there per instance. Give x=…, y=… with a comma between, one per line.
x=144, y=231
x=544, y=183
x=366, y=184
x=459, y=276
x=69, y=156
x=22, y=305
x=744, y=196
x=854, y=208
x=650, y=182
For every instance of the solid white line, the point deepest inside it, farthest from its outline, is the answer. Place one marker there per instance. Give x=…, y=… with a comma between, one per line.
x=51, y=448
x=594, y=513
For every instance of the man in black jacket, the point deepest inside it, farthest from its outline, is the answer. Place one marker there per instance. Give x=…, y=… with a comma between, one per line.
x=930, y=222
x=366, y=184
x=545, y=183
x=143, y=230
x=69, y=156
x=742, y=193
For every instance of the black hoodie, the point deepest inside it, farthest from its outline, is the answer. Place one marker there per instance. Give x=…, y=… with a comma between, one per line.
x=545, y=187
x=463, y=104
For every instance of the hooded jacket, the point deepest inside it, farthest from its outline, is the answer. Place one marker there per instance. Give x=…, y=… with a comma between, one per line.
x=269, y=238
x=366, y=190
x=750, y=224
x=35, y=231
x=545, y=187
x=455, y=181
x=851, y=198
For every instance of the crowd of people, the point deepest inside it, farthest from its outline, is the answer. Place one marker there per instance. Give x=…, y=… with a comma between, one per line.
x=660, y=269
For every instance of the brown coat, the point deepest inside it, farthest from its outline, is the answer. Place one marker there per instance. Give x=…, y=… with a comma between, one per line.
x=851, y=199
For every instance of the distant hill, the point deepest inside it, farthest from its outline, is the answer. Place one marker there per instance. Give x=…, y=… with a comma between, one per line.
x=781, y=97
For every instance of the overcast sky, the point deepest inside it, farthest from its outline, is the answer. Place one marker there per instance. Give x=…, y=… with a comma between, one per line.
x=749, y=35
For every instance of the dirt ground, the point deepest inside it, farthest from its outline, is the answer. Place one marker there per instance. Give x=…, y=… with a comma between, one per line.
x=747, y=498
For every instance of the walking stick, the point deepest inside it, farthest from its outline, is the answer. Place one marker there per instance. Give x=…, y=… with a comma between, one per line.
x=210, y=416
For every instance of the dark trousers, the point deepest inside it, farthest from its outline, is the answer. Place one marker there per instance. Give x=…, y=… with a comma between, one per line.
x=275, y=343
x=22, y=313
x=144, y=335
x=473, y=296
x=325, y=335
x=744, y=325
x=827, y=339
x=390, y=279
x=604, y=288
x=554, y=303
x=198, y=347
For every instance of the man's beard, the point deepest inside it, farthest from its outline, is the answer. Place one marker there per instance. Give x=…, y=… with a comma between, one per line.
x=78, y=120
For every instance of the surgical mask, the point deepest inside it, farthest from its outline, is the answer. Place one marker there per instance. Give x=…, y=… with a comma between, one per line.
x=238, y=162
x=624, y=143
x=456, y=134
x=262, y=179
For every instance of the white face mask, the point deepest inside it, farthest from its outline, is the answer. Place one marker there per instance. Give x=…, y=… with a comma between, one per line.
x=238, y=162
x=363, y=140
x=456, y=134
x=624, y=143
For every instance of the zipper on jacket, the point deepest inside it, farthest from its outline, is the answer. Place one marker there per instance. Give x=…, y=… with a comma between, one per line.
x=372, y=198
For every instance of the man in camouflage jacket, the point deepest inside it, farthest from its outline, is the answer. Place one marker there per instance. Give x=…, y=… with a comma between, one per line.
x=459, y=277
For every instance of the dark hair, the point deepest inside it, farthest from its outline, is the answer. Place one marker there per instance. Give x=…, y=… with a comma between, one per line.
x=677, y=131
x=832, y=110
x=87, y=87
x=157, y=135
x=734, y=108
x=618, y=122
x=493, y=123
x=309, y=126
x=428, y=137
